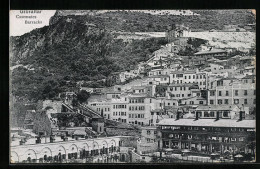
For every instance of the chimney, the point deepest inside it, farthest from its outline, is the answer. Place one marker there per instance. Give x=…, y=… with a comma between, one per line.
x=197, y=116
x=52, y=138
x=241, y=115
x=217, y=117
x=65, y=138
x=178, y=115
x=22, y=141
x=38, y=141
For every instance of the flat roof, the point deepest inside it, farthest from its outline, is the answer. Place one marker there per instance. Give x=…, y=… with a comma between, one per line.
x=182, y=84
x=158, y=76
x=216, y=107
x=209, y=123
x=210, y=52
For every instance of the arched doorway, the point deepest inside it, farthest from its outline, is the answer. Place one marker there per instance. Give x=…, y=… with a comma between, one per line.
x=60, y=154
x=95, y=150
x=73, y=152
x=14, y=157
x=84, y=151
x=45, y=155
x=30, y=156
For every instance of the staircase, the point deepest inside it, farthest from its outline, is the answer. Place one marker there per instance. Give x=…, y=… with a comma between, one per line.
x=89, y=110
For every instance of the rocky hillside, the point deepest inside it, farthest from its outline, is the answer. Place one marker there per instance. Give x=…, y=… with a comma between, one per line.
x=158, y=21
x=53, y=58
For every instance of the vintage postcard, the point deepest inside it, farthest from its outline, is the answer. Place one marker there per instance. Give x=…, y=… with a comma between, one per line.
x=132, y=86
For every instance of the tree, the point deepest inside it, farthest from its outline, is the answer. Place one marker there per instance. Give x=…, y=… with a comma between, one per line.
x=83, y=96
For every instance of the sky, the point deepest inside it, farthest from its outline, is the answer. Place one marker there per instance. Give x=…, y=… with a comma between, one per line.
x=18, y=26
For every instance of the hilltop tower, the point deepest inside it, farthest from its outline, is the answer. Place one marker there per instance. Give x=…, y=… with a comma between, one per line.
x=176, y=31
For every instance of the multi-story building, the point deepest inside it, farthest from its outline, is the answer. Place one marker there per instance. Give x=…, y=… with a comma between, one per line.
x=216, y=53
x=139, y=109
x=195, y=100
x=148, y=141
x=229, y=92
x=102, y=107
x=161, y=79
x=208, y=134
x=155, y=72
x=190, y=76
x=119, y=109
x=180, y=91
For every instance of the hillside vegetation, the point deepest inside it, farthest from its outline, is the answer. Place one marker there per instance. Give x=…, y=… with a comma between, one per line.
x=63, y=53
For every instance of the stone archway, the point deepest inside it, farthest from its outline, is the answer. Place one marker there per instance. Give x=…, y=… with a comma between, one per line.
x=30, y=156
x=14, y=157
x=73, y=152
x=112, y=146
x=104, y=147
x=95, y=149
x=45, y=155
x=84, y=151
x=60, y=153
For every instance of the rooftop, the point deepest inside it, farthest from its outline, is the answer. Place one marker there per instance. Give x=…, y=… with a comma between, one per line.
x=158, y=76
x=209, y=123
x=182, y=84
x=210, y=52
x=249, y=77
x=184, y=72
x=216, y=107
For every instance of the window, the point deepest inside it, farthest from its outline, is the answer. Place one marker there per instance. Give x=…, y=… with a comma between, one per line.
x=226, y=93
x=254, y=92
x=129, y=115
x=245, y=101
x=148, y=132
x=236, y=92
x=219, y=101
x=233, y=139
x=206, y=114
x=226, y=101
x=236, y=101
x=191, y=102
x=241, y=139
x=245, y=92
x=211, y=101
x=225, y=114
x=201, y=102
x=212, y=114
x=219, y=93
x=212, y=93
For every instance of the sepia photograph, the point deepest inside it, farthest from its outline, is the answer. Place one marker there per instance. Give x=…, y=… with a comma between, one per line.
x=132, y=86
